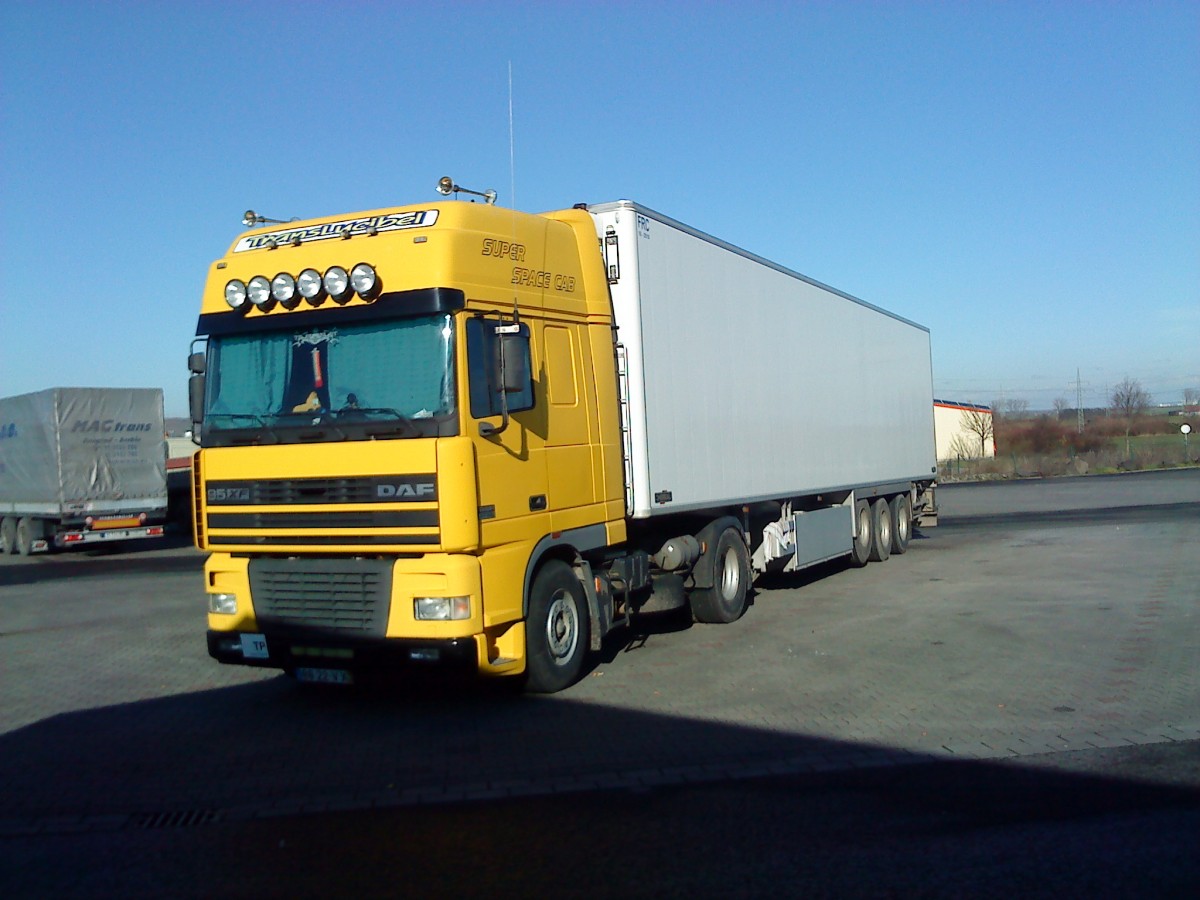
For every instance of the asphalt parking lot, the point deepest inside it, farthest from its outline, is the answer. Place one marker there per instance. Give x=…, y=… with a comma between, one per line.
x=1042, y=625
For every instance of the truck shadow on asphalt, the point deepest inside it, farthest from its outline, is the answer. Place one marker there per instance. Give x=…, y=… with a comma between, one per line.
x=271, y=750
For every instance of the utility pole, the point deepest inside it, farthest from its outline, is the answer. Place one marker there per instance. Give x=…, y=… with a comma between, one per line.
x=1078, y=403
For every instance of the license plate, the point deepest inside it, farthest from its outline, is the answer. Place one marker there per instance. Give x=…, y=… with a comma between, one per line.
x=324, y=676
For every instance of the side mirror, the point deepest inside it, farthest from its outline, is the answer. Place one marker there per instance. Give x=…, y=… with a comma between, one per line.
x=514, y=359
x=510, y=369
x=196, y=362
x=196, y=397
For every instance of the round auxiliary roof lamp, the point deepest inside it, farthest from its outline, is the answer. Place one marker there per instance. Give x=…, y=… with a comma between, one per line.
x=446, y=186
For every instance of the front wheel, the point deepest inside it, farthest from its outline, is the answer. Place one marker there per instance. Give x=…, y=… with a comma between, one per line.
x=556, y=632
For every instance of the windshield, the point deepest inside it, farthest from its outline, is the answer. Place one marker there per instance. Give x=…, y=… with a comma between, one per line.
x=390, y=378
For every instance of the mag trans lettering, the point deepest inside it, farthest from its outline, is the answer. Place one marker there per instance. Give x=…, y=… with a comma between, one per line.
x=454, y=435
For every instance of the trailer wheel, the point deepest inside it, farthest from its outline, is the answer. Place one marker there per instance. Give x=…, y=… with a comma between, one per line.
x=902, y=521
x=860, y=550
x=28, y=531
x=725, y=601
x=881, y=531
x=556, y=632
x=8, y=534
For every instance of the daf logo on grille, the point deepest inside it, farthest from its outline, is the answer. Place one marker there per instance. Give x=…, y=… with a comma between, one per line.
x=418, y=489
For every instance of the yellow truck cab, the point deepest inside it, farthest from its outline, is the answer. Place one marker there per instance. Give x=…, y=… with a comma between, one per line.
x=422, y=445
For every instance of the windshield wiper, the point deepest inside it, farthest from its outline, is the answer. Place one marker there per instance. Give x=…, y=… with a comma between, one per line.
x=348, y=413
x=257, y=419
x=246, y=436
x=372, y=410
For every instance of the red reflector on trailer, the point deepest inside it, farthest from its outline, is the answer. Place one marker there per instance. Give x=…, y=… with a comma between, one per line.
x=72, y=538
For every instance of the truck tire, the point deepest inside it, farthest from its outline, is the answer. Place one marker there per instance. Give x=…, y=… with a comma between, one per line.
x=556, y=632
x=881, y=531
x=860, y=550
x=8, y=534
x=902, y=522
x=725, y=601
x=28, y=531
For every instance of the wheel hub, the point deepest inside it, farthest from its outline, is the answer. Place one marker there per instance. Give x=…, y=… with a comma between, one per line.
x=562, y=628
x=730, y=575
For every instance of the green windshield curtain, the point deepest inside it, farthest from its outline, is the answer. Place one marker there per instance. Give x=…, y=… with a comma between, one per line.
x=396, y=365
x=253, y=375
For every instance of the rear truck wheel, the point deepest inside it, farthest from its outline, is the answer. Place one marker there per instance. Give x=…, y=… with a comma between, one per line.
x=725, y=601
x=881, y=531
x=902, y=522
x=557, y=629
x=28, y=531
x=860, y=550
x=8, y=534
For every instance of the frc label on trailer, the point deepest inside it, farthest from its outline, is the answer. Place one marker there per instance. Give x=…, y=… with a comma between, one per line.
x=346, y=228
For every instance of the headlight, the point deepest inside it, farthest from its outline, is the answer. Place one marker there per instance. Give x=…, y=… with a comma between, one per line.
x=283, y=289
x=365, y=281
x=224, y=604
x=259, y=291
x=235, y=294
x=310, y=287
x=337, y=283
x=442, y=609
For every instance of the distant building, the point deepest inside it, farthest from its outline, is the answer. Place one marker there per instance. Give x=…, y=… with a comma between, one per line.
x=957, y=427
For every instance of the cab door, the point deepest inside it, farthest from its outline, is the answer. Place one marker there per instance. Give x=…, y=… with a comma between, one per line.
x=505, y=423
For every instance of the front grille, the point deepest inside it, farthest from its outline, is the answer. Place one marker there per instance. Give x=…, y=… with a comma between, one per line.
x=314, y=490
x=302, y=509
x=421, y=518
x=288, y=491
x=342, y=596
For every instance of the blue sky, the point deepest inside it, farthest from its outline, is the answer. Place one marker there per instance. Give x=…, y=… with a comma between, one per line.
x=1022, y=178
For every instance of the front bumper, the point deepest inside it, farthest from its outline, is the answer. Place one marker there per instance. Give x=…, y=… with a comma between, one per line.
x=294, y=649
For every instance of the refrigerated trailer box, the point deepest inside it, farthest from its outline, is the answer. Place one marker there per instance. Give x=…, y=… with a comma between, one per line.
x=751, y=382
x=452, y=433
x=81, y=465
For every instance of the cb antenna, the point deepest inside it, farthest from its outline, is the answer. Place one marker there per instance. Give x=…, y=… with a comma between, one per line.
x=446, y=186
